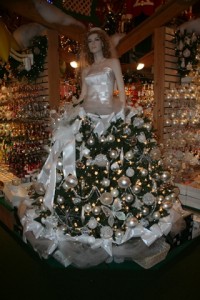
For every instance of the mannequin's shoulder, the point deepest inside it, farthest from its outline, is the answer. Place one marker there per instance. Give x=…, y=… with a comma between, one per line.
x=86, y=70
x=113, y=62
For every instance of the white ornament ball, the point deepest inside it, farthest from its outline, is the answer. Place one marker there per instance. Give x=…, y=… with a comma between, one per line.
x=96, y=210
x=110, y=138
x=87, y=208
x=59, y=164
x=129, y=198
x=60, y=199
x=143, y=172
x=40, y=199
x=113, y=154
x=92, y=224
x=165, y=176
x=39, y=188
x=79, y=137
x=129, y=155
x=105, y=182
x=130, y=172
x=91, y=141
x=119, y=234
x=65, y=186
x=156, y=215
x=102, y=139
x=136, y=189
x=167, y=204
x=145, y=211
x=124, y=182
x=114, y=192
x=131, y=222
x=71, y=181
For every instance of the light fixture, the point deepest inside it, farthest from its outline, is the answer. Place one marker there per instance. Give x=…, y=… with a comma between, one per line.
x=74, y=64
x=140, y=66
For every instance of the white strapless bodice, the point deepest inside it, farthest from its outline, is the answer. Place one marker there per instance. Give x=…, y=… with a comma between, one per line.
x=100, y=87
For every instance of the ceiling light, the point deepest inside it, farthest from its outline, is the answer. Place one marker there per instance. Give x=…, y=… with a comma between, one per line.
x=140, y=66
x=74, y=64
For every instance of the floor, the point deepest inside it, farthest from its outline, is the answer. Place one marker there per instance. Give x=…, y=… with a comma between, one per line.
x=23, y=275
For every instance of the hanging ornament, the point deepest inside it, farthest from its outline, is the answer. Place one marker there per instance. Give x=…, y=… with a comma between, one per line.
x=113, y=154
x=129, y=155
x=145, y=211
x=124, y=182
x=105, y=182
x=186, y=52
x=101, y=160
x=143, y=172
x=96, y=210
x=130, y=172
x=131, y=222
x=92, y=224
x=136, y=189
x=114, y=192
x=165, y=176
x=110, y=138
x=65, y=186
x=106, y=198
x=71, y=181
x=59, y=164
x=156, y=215
x=167, y=204
x=39, y=188
x=115, y=166
x=60, y=199
x=106, y=232
x=148, y=199
x=129, y=198
x=91, y=141
x=102, y=139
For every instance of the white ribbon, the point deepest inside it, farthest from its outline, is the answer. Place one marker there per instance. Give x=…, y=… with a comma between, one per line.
x=64, y=141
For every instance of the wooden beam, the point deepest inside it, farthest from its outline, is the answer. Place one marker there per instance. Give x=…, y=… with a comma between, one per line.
x=162, y=15
x=147, y=60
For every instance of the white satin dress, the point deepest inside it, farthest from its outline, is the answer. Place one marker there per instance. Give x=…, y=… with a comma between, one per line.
x=100, y=87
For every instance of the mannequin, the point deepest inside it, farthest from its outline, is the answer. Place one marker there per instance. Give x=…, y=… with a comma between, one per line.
x=103, y=74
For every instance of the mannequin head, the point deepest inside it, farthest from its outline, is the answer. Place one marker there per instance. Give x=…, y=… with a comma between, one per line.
x=106, y=46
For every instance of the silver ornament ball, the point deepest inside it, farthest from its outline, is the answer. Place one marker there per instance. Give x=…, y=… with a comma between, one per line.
x=156, y=215
x=113, y=154
x=71, y=181
x=167, y=204
x=114, y=192
x=92, y=224
x=130, y=172
x=129, y=198
x=145, y=211
x=129, y=155
x=110, y=138
x=124, y=182
x=96, y=210
x=131, y=222
x=136, y=189
x=106, y=198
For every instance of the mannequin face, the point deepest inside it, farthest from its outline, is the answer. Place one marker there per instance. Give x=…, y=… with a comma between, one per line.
x=95, y=43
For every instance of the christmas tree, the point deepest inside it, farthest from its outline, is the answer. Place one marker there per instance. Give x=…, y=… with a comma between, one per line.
x=119, y=184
